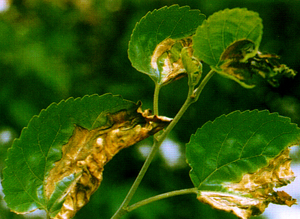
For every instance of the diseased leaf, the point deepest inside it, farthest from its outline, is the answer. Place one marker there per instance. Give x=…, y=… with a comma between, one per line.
x=252, y=195
x=57, y=198
x=247, y=70
x=242, y=207
x=57, y=163
x=158, y=38
x=222, y=29
x=229, y=40
x=238, y=159
x=167, y=59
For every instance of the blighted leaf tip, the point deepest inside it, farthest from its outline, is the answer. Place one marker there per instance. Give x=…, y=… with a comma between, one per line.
x=238, y=160
x=62, y=152
x=154, y=45
x=87, y=151
x=168, y=61
x=248, y=67
x=255, y=191
x=242, y=207
x=262, y=182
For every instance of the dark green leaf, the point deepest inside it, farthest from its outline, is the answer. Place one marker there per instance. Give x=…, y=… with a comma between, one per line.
x=224, y=150
x=39, y=146
x=237, y=161
x=59, y=158
x=173, y=23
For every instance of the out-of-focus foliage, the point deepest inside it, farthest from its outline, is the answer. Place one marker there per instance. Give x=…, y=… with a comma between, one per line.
x=51, y=50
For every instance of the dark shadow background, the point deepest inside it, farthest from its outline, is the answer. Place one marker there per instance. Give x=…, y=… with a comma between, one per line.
x=52, y=50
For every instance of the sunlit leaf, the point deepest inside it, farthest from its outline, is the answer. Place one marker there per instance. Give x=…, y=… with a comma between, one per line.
x=238, y=159
x=157, y=40
x=57, y=163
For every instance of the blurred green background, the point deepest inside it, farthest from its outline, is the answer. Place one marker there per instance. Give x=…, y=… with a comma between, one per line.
x=52, y=50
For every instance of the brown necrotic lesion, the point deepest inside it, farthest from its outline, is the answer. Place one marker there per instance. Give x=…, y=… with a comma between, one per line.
x=252, y=195
x=167, y=61
x=243, y=63
x=87, y=152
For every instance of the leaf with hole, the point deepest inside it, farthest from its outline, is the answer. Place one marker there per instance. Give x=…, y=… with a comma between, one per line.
x=238, y=159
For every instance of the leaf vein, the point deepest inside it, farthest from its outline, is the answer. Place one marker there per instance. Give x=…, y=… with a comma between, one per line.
x=241, y=21
x=21, y=183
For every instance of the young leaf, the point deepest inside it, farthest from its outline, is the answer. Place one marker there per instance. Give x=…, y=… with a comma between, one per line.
x=57, y=163
x=155, y=43
x=239, y=158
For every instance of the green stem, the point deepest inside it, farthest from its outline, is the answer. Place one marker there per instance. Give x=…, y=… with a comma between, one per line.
x=157, y=142
x=162, y=196
x=199, y=89
x=155, y=98
x=121, y=211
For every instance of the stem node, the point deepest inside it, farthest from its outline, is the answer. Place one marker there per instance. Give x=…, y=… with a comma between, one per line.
x=192, y=97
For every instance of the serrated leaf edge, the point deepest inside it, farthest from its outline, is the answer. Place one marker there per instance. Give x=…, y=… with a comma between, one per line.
x=150, y=13
x=234, y=112
x=24, y=130
x=206, y=22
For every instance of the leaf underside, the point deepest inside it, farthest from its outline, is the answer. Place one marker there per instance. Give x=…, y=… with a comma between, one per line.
x=57, y=163
x=238, y=150
x=173, y=23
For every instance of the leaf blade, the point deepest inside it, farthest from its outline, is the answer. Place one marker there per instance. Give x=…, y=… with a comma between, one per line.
x=40, y=147
x=249, y=151
x=172, y=22
x=238, y=159
x=224, y=28
x=44, y=126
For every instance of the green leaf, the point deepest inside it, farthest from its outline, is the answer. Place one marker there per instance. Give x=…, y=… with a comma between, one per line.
x=39, y=146
x=65, y=148
x=232, y=145
x=238, y=159
x=224, y=28
x=229, y=40
x=158, y=31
